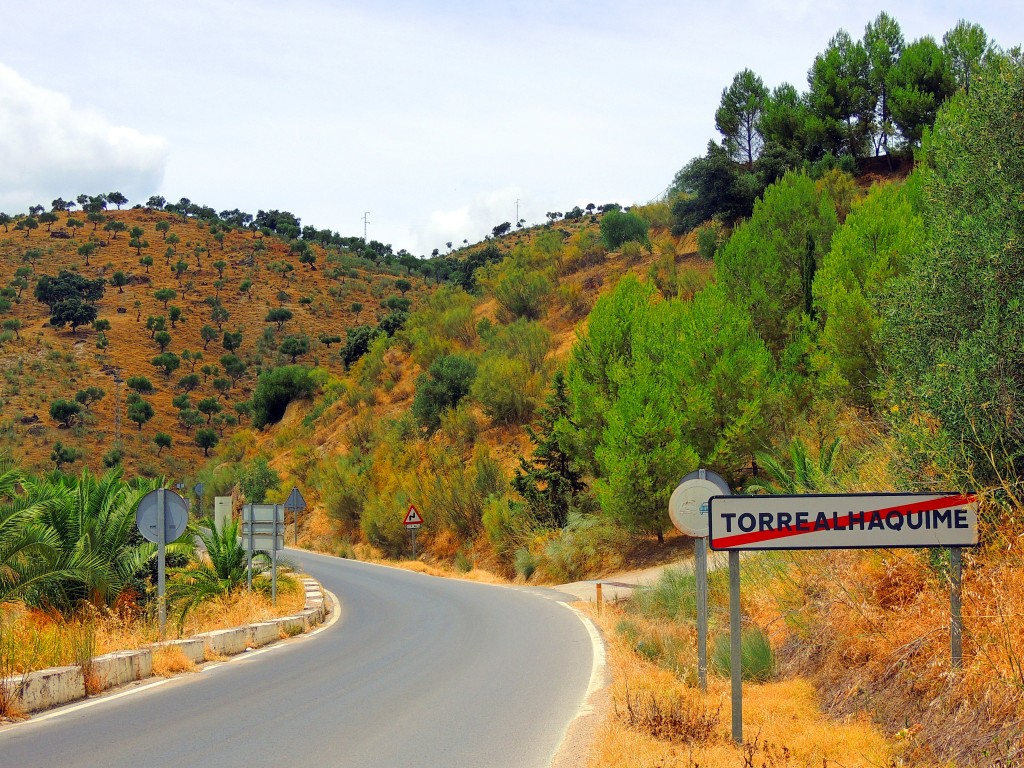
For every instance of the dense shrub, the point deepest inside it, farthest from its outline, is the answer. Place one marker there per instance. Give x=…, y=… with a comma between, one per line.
x=275, y=389
x=448, y=380
x=618, y=228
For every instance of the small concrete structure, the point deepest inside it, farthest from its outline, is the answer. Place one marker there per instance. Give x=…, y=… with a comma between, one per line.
x=53, y=687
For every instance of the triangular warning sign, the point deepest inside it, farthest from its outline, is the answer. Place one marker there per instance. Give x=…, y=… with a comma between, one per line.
x=413, y=517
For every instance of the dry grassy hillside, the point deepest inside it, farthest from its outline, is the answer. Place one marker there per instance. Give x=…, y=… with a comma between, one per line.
x=40, y=363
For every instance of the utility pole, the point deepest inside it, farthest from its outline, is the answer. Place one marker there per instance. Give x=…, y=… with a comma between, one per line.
x=366, y=219
x=517, y=211
x=117, y=407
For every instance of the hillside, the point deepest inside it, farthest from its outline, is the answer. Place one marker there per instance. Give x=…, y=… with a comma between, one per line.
x=335, y=291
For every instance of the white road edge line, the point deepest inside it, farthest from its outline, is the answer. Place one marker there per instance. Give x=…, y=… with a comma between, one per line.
x=598, y=675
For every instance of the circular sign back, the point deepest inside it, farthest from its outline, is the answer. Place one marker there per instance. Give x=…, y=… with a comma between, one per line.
x=175, y=516
x=688, y=506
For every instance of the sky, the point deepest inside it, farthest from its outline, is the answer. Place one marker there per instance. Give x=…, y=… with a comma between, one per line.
x=424, y=122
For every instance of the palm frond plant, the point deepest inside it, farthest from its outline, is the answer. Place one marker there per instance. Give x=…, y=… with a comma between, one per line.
x=799, y=472
x=218, y=569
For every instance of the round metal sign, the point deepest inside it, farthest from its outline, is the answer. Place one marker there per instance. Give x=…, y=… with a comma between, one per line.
x=688, y=506
x=175, y=516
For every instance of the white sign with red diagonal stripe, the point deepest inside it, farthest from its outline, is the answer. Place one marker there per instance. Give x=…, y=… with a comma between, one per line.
x=851, y=521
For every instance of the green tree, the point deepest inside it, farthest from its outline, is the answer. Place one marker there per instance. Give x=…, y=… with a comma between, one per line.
x=232, y=340
x=919, y=84
x=140, y=384
x=167, y=362
x=840, y=96
x=953, y=326
x=67, y=412
x=738, y=117
x=163, y=227
x=72, y=312
x=64, y=454
x=189, y=382
x=119, y=280
x=164, y=295
x=712, y=186
x=162, y=339
x=89, y=396
x=174, y=315
x=233, y=366
x=162, y=441
x=206, y=439
x=551, y=480
x=275, y=389
x=140, y=411
x=209, y=406
x=208, y=333
x=279, y=315
x=769, y=262
x=117, y=199
x=155, y=324
x=883, y=43
x=618, y=228
x=293, y=346
x=881, y=234
x=967, y=46
x=257, y=479
x=448, y=380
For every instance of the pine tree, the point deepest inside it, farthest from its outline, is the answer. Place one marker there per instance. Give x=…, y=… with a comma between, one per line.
x=550, y=482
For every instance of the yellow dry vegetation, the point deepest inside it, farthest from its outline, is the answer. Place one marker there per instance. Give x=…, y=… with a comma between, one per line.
x=783, y=723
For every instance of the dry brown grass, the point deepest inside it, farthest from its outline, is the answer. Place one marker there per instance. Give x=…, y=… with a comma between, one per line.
x=169, y=661
x=33, y=639
x=680, y=727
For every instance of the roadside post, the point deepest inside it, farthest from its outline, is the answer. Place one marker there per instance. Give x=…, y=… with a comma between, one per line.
x=832, y=521
x=263, y=530
x=161, y=517
x=296, y=504
x=688, y=509
x=412, y=522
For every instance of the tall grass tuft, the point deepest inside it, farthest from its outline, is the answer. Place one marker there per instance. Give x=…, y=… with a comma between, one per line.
x=673, y=596
x=670, y=717
x=757, y=660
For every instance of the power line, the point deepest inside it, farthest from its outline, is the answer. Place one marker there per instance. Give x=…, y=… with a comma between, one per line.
x=366, y=220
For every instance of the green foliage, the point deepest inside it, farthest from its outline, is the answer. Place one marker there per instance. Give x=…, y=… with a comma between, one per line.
x=757, y=660
x=519, y=291
x=140, y=411
x=710, y=187
x=881, y=234
x=769, y=262
x=257, y=478
x=275, y=389
x=64, y=454
x=206, y=439
x=219, y=569
x=619, y=227
x=448, y=380
x=954, y=320
x=551, y=480
x=357, y=343
x=738, y=116
x=140, y=384
x=661, y=387
x=505, y=389
x=293, y=346
x=67, y=412
x=162, y=441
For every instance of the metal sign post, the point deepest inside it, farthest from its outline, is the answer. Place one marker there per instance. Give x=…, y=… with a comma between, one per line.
x=413, y=520
x=263, y=531
x=161, y=557
x=688, y=509
x=736, y=647
x=846, y=521
x=161, y=517
x=296, y=504
x=956, y=619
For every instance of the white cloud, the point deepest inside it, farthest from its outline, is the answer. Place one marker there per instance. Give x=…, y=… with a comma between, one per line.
x=52, y=149
x=471, y=221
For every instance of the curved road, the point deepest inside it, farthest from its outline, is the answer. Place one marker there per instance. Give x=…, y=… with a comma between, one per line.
x=419, y=671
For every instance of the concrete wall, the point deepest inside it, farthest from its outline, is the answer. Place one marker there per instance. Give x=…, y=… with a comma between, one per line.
x=53, y=687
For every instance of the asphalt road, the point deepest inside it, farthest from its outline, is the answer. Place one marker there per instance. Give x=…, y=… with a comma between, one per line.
x=419, y=671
